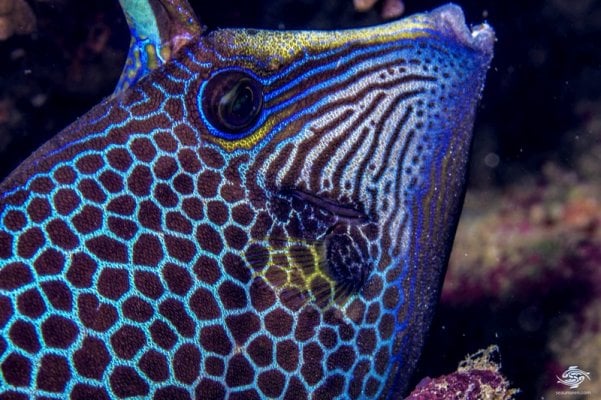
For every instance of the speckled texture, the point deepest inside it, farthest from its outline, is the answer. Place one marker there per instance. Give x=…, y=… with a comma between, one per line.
x=231, y=226
x=541, y=103
x=478, y=377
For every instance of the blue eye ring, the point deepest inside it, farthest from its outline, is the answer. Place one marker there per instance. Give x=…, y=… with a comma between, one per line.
x=231, y=101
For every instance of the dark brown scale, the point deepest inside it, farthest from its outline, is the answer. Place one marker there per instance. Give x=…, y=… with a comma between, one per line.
x=111, y=181
x=94, y=314
x=139, y=181
x=86, y=165
x=279, y=322
x=66, y=201
x=54, y=373
x=88, y=220
x=16, y=369
x=127, y=341
x=65, y=175
x=137, y=309
x=165, y=167
x=154, y=365
x=50, y=262
x=184, y=133
x=15, y=275
x=90, y=190
x=204, y=305
x=149, y=284
x=271, y=383
x=29, y=303
x=214, y=366
x=24, y=335
x=165, y=141
x=181, y=249
x=165, y=196
x=186, y=363
x=120, y=159
x=243, y=326
x=92, y=358
x=81, y=270
x=177, y=278
x=16, y=220
x=108, y=249
x=126, y=382
x=183, y=184
x=147, y=250
x=162, y=335
x=58, y=294
x=239, y=372
x=211, y=389
x=261, y=350
x=150, y=215
x=61, y=235
x=30, y=242
x=86, y=392
x=215, y=339
x=175, y=312
x=123, y=228
x=207, y=270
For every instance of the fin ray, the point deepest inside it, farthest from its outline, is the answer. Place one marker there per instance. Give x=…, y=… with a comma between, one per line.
x=159, y=28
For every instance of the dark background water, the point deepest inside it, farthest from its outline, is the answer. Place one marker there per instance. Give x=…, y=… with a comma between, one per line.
x=547, y=58
x=547, y=65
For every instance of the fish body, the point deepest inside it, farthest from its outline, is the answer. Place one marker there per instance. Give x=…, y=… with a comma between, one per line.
x=266, y=215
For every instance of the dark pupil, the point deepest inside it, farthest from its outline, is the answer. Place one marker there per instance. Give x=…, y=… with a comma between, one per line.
x=237, y=106
x=232, y=101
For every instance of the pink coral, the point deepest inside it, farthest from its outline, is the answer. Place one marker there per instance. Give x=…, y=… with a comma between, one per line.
x=477, y=377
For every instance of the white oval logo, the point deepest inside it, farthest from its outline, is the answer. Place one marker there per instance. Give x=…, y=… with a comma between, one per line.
x=573, y=377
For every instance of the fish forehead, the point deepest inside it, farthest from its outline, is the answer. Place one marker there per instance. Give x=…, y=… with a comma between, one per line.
x=283, y=46
x=129, y=252
x=285, y=60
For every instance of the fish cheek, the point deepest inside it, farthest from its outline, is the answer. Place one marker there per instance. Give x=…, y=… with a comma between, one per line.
x=300, y=220
x=315, y=255
x=347, y=258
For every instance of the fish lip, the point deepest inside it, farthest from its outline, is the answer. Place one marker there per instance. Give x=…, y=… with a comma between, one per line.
x=450, y=20
x=343, y=211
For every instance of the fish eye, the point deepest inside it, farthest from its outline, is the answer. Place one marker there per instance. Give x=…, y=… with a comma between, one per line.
x=232, y=100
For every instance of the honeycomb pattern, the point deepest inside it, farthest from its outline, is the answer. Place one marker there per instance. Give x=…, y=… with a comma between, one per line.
x=139, y=258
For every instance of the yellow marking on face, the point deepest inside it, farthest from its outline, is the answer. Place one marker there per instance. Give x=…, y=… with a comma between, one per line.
x=273, y=50
x=282, y=47
x=300, y=268
x=247, y=142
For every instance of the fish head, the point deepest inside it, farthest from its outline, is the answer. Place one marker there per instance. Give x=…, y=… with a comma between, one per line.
x=358, y=152
x=268, y=214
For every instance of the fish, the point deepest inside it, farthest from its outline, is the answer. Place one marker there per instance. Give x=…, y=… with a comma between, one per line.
x=252, y=214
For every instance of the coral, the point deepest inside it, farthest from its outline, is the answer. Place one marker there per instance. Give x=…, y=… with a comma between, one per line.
x=478, y=377
x=16, y=17
x=390, y=8
x=526, y=267
x=531, y=234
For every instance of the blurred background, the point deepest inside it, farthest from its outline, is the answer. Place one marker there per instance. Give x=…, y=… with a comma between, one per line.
x=525, y=273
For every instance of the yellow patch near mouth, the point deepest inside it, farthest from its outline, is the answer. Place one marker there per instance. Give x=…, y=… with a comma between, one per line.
x=296, y=270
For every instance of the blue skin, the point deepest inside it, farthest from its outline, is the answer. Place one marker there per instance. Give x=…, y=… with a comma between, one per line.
x=151, y=268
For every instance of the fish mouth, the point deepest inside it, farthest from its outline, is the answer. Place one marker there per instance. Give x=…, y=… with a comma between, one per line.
x=343, y=211
x=450, y=20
